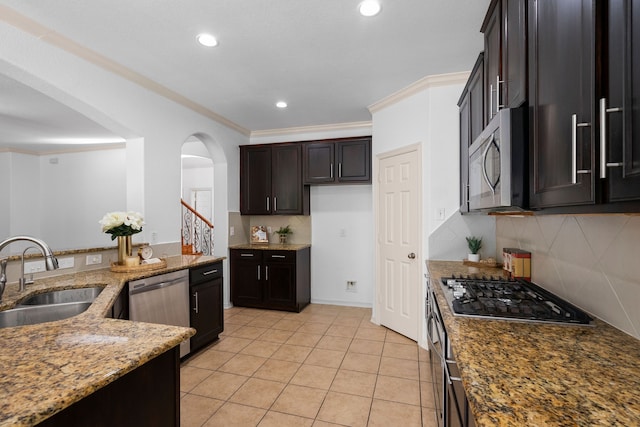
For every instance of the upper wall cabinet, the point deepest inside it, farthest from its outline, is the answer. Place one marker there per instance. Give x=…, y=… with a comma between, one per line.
x=471, y=105
x=505, y=60
x=339, y=161
x=271, y=180
x=619, y=105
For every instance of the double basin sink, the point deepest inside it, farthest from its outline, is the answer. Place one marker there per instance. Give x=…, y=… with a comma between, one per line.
x=50, y=306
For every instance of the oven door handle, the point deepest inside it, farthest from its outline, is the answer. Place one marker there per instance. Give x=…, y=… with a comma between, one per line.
x=448, y=373
x=432, y=345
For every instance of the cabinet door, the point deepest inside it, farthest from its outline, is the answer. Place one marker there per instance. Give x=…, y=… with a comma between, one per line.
x=476, y=92
x=319, y=163
x=246, y=278
x=354, y=160
x=280, y=285
x=255, y=180
x=465, y=141
x=561, y=91
x=514, y=53
x=620, y=109
x=206, y=312
x=286, y=173
x=492, y=42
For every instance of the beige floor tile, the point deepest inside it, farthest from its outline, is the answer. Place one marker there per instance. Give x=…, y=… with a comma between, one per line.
x=238, y=319
x=292, y=353
x=314, y=328
x=258, y=393
x=191, y=377
x=248, y=332
x=398, y=338
x=402, y=368
x=347, y=321
x=231, y=344
x=321, y=318
x=275, y=335
x=299, y=400
x=210, y=359
x=385, y=414
x=400, y=351
x=425, y=372
x=252, y=312
x=366, y=347
x=352, y=382
x=423, y=354
x=260, y=348
x=341, y=331
x=326, y=358
x=233, y=310
x=334, y=343
x=277, y=370
x=318, y=423
x=427, y=399
x=263, y=322
x=429, y=418
x=242, y=364
x=219, y=385
x=228, y=328
x=367, y=323
x=398, y=390
x=314, y=376
x=195, y=410
x=235, y=415
x=288, y=324
x=304, y=339
x=277, y=419
x=361, y=362
x=371, y=334
x=345, y=409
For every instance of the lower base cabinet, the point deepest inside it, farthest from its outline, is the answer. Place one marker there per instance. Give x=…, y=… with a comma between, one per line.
x=205, y=295
x=147, y=396
x=274, y=279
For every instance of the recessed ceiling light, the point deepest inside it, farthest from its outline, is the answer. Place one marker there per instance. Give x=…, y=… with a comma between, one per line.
x=369, y=8
x=207, y=40
x=281, y=104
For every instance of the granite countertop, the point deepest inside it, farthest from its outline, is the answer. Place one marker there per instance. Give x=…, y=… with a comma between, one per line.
x=271, y=246
x=529, y=374
x=49, y=366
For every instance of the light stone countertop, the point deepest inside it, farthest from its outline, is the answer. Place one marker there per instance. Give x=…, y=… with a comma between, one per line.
x=47, y=367
x=528, y=374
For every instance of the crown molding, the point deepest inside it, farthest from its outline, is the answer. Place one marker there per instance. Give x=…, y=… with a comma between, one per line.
x=96, y=147
x=56, y=39
x=364, y=126
x=422, y=84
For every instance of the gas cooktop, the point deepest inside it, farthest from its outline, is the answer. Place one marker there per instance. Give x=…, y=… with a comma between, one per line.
x=509, y=299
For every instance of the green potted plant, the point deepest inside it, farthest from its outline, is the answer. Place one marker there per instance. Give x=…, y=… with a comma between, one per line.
x=283, y=232
x=475, y=244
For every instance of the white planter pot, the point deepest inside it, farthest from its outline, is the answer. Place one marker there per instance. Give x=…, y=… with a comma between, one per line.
x=473, y=257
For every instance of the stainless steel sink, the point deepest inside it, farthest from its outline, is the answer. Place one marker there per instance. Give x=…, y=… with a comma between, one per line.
x=64, y=296
x=34, y=314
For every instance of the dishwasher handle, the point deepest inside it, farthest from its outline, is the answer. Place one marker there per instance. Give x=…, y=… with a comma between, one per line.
x=143, y=287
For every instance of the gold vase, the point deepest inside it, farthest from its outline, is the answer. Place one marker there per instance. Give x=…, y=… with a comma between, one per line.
x=124, y=248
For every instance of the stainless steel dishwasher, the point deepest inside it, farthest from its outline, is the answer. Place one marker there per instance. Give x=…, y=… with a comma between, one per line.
x=162, y=299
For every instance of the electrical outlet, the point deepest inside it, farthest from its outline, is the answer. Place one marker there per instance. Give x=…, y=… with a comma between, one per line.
x=269, y=230
x=94, y=259
x=66, y=262
x=440, y=214
x=34, y=266
x=232, y=231
x=154, y=237
x=351, y=286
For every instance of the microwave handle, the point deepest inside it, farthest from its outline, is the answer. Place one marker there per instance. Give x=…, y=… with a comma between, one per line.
x=484, y=164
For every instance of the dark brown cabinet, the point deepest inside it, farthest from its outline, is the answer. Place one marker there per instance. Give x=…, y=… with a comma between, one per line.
x=275, y=279
x=505, y=60
x=340, y=161
x=471, y=105
x=205, y=290
x=561, y=101
x=271, y=180
x=618, y=112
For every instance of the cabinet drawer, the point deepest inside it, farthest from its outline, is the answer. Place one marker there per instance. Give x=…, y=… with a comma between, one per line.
x=280, y=256
x=205, y=273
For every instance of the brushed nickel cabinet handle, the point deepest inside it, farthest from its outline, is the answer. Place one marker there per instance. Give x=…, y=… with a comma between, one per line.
x=603, y=137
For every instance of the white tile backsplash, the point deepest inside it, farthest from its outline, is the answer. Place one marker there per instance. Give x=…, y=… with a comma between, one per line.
x=590, y=260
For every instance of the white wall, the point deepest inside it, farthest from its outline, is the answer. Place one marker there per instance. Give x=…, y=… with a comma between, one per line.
x=24, y=202
x=5, y=194
x=196, y=178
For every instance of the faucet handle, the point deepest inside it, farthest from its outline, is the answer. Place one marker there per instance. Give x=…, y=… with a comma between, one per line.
x=3, y=275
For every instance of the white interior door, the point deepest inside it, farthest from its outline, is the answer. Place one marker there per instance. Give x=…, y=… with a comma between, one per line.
x=399, y=240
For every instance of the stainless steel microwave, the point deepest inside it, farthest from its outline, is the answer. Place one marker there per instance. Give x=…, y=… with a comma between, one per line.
x=498, y=171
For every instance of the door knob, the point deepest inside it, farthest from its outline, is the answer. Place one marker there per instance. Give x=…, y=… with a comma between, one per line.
x=412, y=255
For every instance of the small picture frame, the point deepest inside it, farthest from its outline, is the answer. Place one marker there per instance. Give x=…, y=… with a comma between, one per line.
x=259, y=234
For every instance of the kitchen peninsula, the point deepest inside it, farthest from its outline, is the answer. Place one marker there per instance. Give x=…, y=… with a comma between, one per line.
x=532, y=374
x=50, y=367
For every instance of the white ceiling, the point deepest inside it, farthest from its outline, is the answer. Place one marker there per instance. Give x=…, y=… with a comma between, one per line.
x=323, y=58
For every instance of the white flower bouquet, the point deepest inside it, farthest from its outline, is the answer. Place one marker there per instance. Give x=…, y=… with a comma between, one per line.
x=121, y=224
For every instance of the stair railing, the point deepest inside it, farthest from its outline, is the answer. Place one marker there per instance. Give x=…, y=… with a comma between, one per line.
x=197, y=232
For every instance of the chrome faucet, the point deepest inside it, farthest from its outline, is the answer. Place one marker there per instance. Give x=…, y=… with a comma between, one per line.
x=50, y=261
